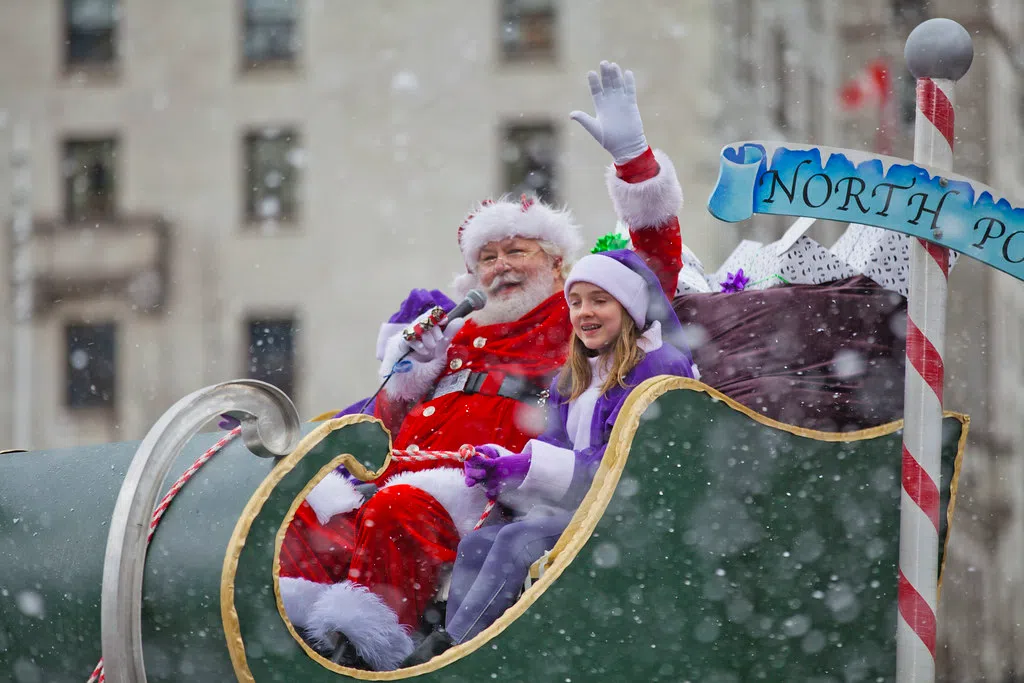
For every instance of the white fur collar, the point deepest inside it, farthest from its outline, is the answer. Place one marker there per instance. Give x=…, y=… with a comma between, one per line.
x=651, y=339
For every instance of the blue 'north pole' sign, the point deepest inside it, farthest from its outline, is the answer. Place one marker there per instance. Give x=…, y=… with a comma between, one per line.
x=886, y=192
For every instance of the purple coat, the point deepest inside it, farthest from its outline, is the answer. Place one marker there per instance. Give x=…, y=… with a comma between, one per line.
x=560, y=475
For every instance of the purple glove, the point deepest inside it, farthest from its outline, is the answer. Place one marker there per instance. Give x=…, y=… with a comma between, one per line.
x=497, y=474
x=227, y=423
x=418, y=302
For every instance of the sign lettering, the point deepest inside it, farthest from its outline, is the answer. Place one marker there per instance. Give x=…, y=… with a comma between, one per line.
x=855, y=187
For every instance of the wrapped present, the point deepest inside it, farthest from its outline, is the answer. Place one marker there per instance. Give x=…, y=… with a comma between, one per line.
x=738, y=260
x=806, y=262
x=882, y=255
x=692, y=278
x=802, y=261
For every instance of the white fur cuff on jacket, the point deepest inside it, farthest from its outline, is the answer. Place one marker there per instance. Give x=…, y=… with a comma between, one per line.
x=414, y=384
x=365, y=619
x=651, y=202
x=386, y=332
x=332, y=496
x=550, y=473
x=464, y=504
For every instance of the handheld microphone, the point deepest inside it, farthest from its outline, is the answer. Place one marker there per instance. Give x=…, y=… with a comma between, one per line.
x=474, y=301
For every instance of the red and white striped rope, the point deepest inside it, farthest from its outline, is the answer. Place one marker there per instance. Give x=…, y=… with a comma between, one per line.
x=416, y=455
x=922, y=431
x=158, y=513
x=98, y=675
x=465, y=452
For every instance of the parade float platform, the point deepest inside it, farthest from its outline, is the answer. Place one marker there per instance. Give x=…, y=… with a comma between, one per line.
x=715, y=544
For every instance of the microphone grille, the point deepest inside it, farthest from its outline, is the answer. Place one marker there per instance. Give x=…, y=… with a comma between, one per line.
x=476, y=298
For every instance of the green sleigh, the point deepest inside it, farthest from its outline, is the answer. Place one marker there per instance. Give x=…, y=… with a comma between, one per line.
x=714, y=545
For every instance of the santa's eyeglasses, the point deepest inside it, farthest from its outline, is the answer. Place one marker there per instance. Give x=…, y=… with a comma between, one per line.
x=513, y=258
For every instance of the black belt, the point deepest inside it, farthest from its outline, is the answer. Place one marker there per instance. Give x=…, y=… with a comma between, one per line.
x=512, y=386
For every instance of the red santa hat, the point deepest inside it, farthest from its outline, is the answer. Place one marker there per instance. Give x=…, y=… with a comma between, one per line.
x=492, y=221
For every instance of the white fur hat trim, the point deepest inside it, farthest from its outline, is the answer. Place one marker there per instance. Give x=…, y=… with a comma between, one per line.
x=492, y=221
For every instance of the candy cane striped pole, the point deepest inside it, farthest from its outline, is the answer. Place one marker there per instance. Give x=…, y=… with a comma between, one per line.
x=938, y=53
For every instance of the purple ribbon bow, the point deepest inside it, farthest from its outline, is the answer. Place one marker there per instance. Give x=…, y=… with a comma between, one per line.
x=735, y=282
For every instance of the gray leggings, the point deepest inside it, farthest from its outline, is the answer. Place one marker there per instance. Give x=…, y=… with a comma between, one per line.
x=490, y=568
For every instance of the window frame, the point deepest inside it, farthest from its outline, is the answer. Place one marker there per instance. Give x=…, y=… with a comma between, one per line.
x=111, y=212
x=507, y=128
x=909, y=12
x=72, y=64
x=271, y=62
x=249, y=323
x=70, y=401
x=547, y=54
x=781, y=116
x=743, y=39
x=250, y=209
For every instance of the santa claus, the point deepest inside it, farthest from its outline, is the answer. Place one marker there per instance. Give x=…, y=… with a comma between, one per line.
x=357, y=577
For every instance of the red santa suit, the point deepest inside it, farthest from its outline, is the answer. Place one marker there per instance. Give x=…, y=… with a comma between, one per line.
x=488, y=388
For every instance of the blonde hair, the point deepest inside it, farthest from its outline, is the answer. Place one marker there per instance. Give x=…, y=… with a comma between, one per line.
x=619, y=360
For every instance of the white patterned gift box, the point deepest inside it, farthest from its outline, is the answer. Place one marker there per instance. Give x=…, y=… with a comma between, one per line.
x=882, y=255
x=741, y=257
x=805, y=262
x=692, y=278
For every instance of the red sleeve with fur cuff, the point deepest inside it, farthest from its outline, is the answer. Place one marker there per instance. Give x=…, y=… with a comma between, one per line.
x=661, y=248
x=638, y=169
x=648, y=204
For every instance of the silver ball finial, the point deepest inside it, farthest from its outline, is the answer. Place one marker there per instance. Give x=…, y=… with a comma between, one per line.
x=939, y=48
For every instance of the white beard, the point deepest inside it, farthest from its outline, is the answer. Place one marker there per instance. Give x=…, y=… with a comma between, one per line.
x=533, y=293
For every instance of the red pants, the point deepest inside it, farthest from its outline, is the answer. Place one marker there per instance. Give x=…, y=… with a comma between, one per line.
x=315, y=552
x=395, y=545
x=403, y=537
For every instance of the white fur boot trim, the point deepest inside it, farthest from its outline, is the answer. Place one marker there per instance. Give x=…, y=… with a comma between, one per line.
x=332, y=496
x=369, y=624
x=651, y=202
x=464, y=504
x=298, y=597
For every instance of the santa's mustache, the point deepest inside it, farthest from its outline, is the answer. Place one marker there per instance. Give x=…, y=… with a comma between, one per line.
x=504, y=280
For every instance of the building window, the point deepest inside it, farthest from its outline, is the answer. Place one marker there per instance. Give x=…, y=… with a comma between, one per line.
x=90, y=28
x=780, y=113
x=91, y=364
x=270, y=31
x=815, y=10
x=90, y=179
x=528, y=154
x=528, y=29
x=906, y=99
x=272, y=352
x=815, y=110
x=910, y=12
x=272, y=163
x=743, y=40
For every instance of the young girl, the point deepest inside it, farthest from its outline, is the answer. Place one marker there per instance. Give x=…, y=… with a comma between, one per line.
x=624, y=333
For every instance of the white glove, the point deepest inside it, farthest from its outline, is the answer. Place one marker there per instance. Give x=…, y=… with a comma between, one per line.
x=434, y=342
x=431, y=346
x=617, y=126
